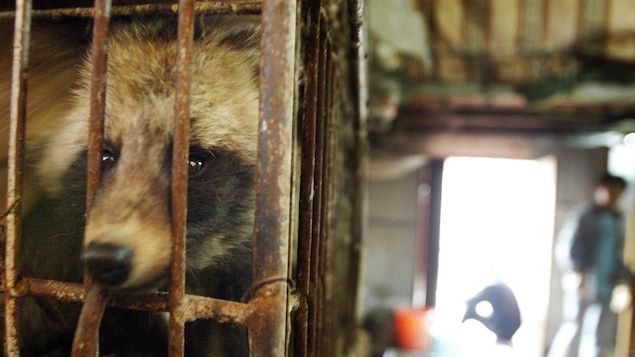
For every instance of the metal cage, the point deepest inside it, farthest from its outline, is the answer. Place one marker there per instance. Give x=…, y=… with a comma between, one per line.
x=309, y=185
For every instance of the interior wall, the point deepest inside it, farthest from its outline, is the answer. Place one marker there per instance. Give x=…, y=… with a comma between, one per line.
x=389, y=251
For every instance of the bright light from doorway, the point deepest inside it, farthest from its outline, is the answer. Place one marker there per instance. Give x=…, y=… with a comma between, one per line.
x=497, y=219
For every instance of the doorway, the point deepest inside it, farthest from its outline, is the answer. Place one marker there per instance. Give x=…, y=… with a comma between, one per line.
x=497, y=221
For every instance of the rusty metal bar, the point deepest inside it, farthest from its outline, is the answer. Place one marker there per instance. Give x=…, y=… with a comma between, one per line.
x=303, y=333
x=310, y=267
x=211, y=7
x=318, y=287
x=58, y=290
x=180, y=156
x=327, y=253
x=201, y=307
x=99, y=57
x=86, y=340
x=17, y=123
x=73, y=292
x=195, y=307
x=268, y=323
x=327, y=256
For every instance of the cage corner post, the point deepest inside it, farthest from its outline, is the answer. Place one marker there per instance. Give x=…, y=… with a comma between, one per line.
x=17, y=123
x=268, y=323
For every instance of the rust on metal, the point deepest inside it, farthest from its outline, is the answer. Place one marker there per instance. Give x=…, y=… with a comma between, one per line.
x=195, y=306
x=99, y=56
x=73, y=292
x=274, y=142
x=325, y=323
x=326, y=241
x=86, y=340
x=156, y=302
x=268, y=325
x=180, y=156
x=17, y=123
x=200, y=7
x=87, y=333
x=307, y=182
x=201, y=307
x=266, y=331
x=317, y=285
x=51, y=289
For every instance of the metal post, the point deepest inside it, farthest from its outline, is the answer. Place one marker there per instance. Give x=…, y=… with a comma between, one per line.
x=180, y=156
x=268, y=323
x=86, y=339
x=99, y=54
x=14, y=175
x=304, y=337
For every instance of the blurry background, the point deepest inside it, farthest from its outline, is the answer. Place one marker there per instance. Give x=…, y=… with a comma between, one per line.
x=490, y=119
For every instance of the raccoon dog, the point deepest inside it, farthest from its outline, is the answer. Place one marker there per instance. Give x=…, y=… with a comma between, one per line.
x=127, y=244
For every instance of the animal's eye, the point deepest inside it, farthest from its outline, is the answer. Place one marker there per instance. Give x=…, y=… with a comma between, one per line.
x=108, y=158
x=199, y=160
x=195, y=166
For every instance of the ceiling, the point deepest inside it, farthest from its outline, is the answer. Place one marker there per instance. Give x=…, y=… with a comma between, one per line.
x=557, y=66
x=496, y=65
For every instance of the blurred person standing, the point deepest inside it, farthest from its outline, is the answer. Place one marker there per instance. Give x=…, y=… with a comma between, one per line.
x=589, y=253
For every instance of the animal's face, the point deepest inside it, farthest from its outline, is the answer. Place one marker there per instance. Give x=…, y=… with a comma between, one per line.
x=128, y=238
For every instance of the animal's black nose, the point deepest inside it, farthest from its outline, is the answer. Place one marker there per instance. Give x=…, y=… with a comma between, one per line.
x=108, y=264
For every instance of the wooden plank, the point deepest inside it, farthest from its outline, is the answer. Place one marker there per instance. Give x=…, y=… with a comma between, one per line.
x=504, y=26
x=561, y=23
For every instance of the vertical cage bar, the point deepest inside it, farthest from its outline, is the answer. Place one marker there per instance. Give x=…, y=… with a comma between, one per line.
x=316, y=291
x=303, y=333
x=267, y=325
x=99, y=57
x=180, y=156
x=14, y=171
x=327, y=256
x=86, y=339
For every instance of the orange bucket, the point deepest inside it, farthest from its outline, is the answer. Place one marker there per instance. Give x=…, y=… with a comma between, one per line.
x=411, y=327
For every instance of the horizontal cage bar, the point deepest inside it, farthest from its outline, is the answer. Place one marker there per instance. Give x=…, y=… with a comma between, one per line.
x=200, y=7
x=196, y=306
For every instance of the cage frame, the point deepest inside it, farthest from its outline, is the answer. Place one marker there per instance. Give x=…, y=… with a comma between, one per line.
x=268, y=312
